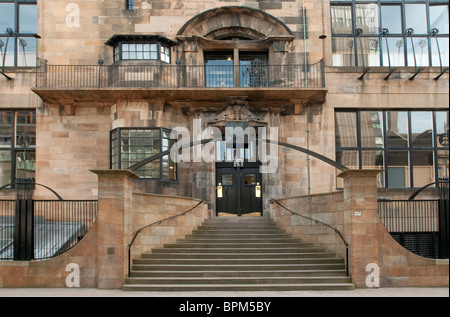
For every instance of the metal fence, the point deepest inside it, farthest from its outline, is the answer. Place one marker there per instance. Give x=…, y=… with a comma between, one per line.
x=179, y=76
x=421, y=226
x=57, y=226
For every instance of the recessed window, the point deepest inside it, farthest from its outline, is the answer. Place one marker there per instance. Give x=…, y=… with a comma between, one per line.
x=17, y=145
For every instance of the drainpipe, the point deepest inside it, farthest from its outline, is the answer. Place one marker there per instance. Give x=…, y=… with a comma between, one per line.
x=307, y=146
x=304, y=42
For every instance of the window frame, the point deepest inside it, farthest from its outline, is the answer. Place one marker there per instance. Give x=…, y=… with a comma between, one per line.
x=117, y=164
x=408, y=60
x=14, y=41
x=14, y=148
x=410, y=148
x=118, y=51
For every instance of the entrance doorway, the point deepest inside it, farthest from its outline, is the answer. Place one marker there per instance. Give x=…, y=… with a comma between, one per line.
x=239, y=189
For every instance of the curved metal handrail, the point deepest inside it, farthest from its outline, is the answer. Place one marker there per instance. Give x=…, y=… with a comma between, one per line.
x=155, y=223
x=426, y=186
x=54, y=192
x=322, y=223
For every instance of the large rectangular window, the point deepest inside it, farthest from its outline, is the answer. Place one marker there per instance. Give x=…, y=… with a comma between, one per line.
x=408, y=145
x=402, y=32
x=17, y=145
x=18, y=33
x=132, y=145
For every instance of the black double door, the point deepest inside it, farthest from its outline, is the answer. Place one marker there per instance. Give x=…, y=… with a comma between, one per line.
x=239, y=189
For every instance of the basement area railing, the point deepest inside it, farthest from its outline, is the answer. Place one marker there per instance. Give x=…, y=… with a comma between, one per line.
x=43, y=229
x=322, y=223
x=420, y=226
x=156, y=223
x=179, y=76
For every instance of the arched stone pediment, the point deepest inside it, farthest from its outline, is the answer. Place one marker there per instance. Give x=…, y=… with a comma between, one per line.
x=227, y=22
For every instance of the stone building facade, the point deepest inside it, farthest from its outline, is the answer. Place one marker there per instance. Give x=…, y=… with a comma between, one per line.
x=113, y=78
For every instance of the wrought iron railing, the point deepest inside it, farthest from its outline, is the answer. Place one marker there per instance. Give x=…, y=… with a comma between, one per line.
x=58, y=225
x=323, y=224
x=421, y=226
x=156, y=223
x=179, y=76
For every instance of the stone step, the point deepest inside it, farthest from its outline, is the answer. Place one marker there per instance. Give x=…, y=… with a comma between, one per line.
x=266, y=249
x=239, y=287
x=236, y=267
x=236, y=280
x=245, y=261
x=180, y=255
x=247, y=273
x=234, y=245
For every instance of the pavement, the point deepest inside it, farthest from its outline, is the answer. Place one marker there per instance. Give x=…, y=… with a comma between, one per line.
x=88, y=292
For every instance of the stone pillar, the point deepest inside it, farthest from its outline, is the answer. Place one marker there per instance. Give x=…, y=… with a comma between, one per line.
x=361, y=221
x=115, y=192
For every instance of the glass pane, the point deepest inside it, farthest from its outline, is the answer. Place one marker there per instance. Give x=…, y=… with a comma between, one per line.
x=5, y=167
x=28, y=18
x=250, y=179
x=396, y=51
x=423, y=171
x=346, y=129
x=372, y=129
x=439, y=18
x=371, y=51
x=443, y=57
x=348, y=159
x=7, y=52
x=25, y=164
x=441, y=126
x=6, y=130
x=219, y=70
x=442, y=162
x=416, y=18
x=374, y=160
x=397, y=129
x=420, y=50
x=343, y=51
x=397, y=169
x=367, y=18
x=391, y=16
x=422, y=129
x=227, y=180
x=6, y=16
x=341, y=20
x=27, y=49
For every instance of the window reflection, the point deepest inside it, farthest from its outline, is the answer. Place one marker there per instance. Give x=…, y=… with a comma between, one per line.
x=397, y=129
x=439, y=18
x=367, y=18
x=371, y=129
x=6, y=16
x=420, y=52
x=397, y=170
x=343, y=51
x=421, y=129
x=422, y=165
x=396, y=51
x=346, y=129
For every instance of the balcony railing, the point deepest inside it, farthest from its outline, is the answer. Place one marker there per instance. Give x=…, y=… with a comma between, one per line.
x=179, y=76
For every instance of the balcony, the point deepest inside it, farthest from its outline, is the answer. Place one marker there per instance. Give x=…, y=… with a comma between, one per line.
x=179, y=82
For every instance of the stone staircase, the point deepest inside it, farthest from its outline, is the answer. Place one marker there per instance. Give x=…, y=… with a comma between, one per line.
x=238, y=254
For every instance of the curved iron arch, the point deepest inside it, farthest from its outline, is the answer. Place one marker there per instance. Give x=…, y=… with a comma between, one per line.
x=55, y=193
x=424, y=187
x=204, y=141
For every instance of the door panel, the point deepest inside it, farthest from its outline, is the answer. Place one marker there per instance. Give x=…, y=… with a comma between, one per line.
x=238, y=190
